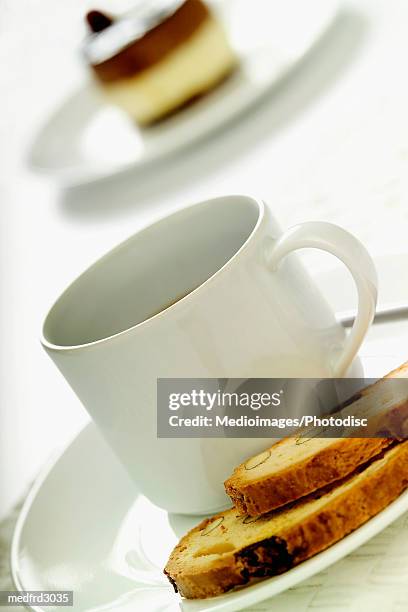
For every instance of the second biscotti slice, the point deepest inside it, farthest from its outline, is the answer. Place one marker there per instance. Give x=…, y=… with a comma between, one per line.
x=297, y=466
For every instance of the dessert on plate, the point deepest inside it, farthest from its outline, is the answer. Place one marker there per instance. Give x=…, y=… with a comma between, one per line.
x=231, y=550
x=153, y=62
x=299, y=497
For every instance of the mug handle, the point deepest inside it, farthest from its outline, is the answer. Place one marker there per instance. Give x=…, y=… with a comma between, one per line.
x=338, y=242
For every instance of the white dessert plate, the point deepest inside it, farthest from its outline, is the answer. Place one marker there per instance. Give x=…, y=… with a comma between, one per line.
x=85, y=139
x=85, y=528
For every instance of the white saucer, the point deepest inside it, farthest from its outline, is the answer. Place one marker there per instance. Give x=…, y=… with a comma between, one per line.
x=85, y=528
x=271, y=38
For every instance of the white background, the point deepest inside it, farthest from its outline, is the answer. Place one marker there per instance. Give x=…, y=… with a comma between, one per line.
x=331, y=144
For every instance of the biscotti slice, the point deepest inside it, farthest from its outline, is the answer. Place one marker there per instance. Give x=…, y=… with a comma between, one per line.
x=230, y=550
x=298, y=465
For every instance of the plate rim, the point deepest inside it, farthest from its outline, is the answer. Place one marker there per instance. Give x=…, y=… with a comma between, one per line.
x=34, y=489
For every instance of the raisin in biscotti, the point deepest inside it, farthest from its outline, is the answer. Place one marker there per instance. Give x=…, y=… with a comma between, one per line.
x=296, y=466
x=229, y=550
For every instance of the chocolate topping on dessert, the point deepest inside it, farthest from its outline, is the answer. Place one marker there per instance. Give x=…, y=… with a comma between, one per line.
x=132, y=44
x=98, y=21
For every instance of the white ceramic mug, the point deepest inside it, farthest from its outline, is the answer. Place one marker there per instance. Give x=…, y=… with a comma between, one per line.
x=211, y=291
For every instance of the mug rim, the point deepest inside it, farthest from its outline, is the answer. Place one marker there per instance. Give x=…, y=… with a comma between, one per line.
x=51, y=346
